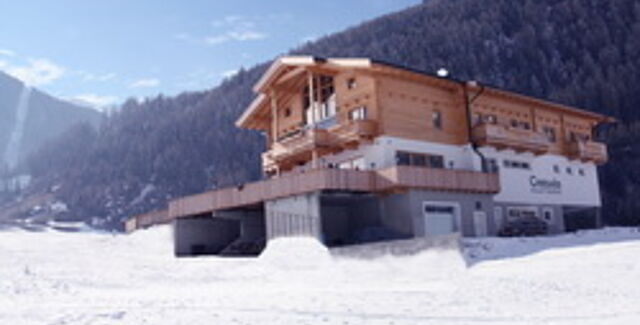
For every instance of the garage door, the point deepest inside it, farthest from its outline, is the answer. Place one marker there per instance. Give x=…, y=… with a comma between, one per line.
x=439, y=219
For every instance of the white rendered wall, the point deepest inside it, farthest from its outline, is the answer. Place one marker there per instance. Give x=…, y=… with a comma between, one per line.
x=516, y=184
x=382, y=153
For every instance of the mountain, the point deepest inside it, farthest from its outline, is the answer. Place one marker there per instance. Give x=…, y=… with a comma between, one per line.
x=29, y=117
x=577, y=52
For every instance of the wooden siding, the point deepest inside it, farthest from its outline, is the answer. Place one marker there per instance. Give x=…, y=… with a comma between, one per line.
x=398, y=177
x=402, y=102
x=407, y=107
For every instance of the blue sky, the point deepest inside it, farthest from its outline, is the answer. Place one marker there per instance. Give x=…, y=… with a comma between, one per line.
x=106, y=51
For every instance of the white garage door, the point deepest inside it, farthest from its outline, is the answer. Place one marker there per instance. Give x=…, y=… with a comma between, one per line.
x=439, y=218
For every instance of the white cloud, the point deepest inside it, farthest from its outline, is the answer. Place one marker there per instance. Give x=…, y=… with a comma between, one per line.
x=240, y=36
x=235, y=28
x=145, y=83
x=93, y=100
x=91, y=77
x=3, y=64
x=229, y=73
x=6, y=52
x=37, y=72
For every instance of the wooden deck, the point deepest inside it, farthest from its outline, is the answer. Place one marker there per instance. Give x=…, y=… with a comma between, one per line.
x=398, y=177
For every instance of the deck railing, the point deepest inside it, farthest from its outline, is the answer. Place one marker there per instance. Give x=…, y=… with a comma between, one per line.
x=588, y=150
x=503, y=137
x=397, y=177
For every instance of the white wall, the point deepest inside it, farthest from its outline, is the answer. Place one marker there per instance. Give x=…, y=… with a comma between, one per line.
x=516, y=184
x=381, y=153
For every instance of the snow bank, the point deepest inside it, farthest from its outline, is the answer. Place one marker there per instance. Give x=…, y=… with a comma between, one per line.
x=96, y=278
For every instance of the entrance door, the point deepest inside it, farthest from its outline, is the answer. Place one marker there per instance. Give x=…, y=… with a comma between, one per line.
x=439, y=219
x=480, y=223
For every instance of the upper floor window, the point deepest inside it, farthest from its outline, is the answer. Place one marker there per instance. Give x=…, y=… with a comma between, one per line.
x=287, y=112
x=490, y=119
x=436, y=119
x=359, y=113
x=323, y=105
x=351, y=83
x=490, y=165
x=476, y=119
x=550, y=133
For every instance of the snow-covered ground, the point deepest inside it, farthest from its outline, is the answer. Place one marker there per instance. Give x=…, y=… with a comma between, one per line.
x=87, y=278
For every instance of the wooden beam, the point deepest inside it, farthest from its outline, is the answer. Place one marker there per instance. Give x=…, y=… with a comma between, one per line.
x=274, y=116
x=312, y=97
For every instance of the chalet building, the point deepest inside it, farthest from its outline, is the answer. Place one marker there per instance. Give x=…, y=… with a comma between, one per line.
x=361, y=151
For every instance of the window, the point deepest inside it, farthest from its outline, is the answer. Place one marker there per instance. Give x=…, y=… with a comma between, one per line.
x=525, y=125
x=404, y=158
x=516, y=164
x=556, y=169
x=419, y=160
x=581, y=172
x=490, y=119
x=514, y=123
x=491, y=166
x=550, y=133
x=569, y=171
x=324, y=106
x=477, y=119
x=436, y=162
x=351, y=83
x=436, y=119
x=287, y=112
x=359, y=113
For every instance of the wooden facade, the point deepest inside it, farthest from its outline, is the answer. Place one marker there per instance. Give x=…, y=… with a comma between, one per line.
x=405, y=104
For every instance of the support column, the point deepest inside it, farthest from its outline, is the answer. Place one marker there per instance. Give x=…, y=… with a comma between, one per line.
x=312, y=98
x=274, y=116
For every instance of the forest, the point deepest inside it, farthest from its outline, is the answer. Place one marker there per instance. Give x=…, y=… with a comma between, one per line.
x=583, y=53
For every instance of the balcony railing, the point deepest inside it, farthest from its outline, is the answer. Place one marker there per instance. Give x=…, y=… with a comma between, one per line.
x=385, y=180
x=503, y=137
x=588, y=151
x=305, y=140
x=353, y=131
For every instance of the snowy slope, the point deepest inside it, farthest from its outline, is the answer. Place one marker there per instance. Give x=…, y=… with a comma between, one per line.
x=88, y=278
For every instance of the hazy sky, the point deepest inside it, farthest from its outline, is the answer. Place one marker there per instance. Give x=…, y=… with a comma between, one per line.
x=105, y=51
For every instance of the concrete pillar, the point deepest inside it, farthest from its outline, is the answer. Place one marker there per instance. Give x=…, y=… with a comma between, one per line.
x=294, y=216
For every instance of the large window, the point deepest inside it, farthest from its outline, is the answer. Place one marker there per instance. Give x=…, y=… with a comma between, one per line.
x=324, y=106
x=404, y=158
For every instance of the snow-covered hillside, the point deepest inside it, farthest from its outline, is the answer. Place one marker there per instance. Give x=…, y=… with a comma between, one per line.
x=84, y=278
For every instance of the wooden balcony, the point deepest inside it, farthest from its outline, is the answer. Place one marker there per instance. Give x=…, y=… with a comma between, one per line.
x=588, y=151
x=385, y=180
x=299, y=145
x=303, y=141
x=503, y=137
x=353, y=131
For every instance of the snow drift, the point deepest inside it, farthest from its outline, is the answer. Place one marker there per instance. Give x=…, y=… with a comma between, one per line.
x=97, y=278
